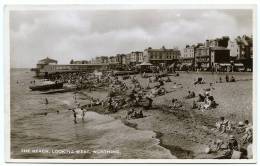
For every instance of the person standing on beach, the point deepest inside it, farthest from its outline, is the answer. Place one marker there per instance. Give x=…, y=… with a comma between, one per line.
x=46, y=102
x=83, y=111
x=75, y=116
x=75, y=97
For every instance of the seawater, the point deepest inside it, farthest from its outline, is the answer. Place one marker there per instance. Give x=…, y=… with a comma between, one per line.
x=38, y=136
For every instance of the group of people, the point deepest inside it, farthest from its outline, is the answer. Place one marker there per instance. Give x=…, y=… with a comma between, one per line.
x=233, y=147
x=82, y=80
x=206, y=101
x=78, y=111
x=227, y=78
x=134, y=114
x=245, y=128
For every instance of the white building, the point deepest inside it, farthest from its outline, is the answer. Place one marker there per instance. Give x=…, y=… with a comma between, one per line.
x=188, y=52
x=234, y=49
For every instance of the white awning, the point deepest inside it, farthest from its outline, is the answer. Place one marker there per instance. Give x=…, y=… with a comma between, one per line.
x=225, y=64
x=239, y=64
x=145, y=64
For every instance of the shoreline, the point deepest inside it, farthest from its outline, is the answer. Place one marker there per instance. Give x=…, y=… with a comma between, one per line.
x=176, y=151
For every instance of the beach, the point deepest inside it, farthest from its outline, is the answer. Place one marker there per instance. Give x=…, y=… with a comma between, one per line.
x=160, y=134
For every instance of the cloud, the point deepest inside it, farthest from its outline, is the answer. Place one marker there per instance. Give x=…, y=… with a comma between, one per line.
x=72, y=34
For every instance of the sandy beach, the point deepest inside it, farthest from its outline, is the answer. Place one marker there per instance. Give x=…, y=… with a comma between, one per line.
x=187, y=133
x=160, y=134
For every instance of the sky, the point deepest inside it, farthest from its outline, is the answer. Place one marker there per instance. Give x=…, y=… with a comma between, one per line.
x=85, y=34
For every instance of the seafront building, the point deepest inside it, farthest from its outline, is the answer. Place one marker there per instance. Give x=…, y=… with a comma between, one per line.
x=188, y=56
x=47, y=66
x=101, y=60
x=215, y=54
x=234, y=49
x=221, y=53
x=161, y=56
x=208, y=57
x=136, y=57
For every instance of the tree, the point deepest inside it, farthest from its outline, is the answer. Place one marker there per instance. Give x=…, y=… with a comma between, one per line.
x=71, y=61
x=223, y=42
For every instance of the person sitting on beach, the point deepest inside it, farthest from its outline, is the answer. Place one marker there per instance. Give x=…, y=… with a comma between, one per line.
x=232, y=143
x=190, y=95
x=201, y=98
x=194, y=105
x=130, y=112
x=215, y=146
x=177, y=75
x=227, y=78
x=176, y=104
x=223, y=125
x=212, y=102
x=141, y=115
x=138, y=86
x=168, y=79
x=114, y=106
x=220, y=80
x=137, y=115
x=232, y=79
x=247, y=124
x=154, y=91
x=131, y=97
x=149, y=98
x=161, y=83
x=134, y=80
x=206, y=105
x=161, y=91
x=199, y=81
x=248, y=136
x=175, y=85
x=241, y=128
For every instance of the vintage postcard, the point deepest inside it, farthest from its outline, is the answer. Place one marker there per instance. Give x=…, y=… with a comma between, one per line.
x=146, y=83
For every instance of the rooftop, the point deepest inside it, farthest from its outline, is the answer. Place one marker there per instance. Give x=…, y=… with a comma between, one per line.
x=47, y=61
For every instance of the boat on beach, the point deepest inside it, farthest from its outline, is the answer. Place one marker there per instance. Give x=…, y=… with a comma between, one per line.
x=46, y=85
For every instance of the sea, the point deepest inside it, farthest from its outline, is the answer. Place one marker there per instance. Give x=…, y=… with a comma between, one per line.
x=36, y=135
